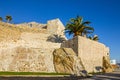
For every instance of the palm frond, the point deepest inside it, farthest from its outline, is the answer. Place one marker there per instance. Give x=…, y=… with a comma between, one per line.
x=76, y=26
x=88, y=29
x=86, y=22
x=69, y=32
x=95, y=38
x=90, y=37
x=1, y=18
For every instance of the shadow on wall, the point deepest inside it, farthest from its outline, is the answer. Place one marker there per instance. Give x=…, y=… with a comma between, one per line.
x=56, y=38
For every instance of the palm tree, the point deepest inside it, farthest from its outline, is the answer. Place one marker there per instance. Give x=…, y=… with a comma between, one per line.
x=90, y=37
x=76, y=26
x=8, y=18
x=1, y=19
x=95, y=38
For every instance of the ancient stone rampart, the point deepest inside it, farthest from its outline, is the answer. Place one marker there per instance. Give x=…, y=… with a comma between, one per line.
x=91, y=52
x=33, y=49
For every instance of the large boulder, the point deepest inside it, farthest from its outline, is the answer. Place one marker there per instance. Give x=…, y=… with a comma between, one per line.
x=66, y=61
x=107, y=67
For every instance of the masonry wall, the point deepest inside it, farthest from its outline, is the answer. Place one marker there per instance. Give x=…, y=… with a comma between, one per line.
x=90, y=52
x=30, y=50
x=72, y=43
x=31, y=53
x=55, y=27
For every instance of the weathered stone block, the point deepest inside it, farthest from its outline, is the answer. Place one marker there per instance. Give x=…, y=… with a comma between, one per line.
x=66, y=61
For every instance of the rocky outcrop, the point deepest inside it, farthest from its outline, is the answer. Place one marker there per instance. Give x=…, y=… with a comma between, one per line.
x=107, y=67
x=66, y=61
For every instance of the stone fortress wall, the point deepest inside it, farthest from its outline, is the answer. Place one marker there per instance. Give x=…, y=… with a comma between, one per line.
x=32, y=52
x=91, y=52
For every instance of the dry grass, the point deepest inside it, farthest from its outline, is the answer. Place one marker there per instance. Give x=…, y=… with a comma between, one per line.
x=13, y=32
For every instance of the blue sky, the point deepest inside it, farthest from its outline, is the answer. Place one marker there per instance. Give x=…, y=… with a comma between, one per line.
x=104, y=15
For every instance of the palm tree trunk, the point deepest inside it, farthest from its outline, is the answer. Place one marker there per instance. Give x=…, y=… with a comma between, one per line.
x=80, y=33
x=76, y=34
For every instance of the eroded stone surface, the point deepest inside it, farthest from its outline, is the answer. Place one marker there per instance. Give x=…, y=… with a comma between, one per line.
x=26, y=48
x=106, y=65
x=30, y=51
x=66, y=61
